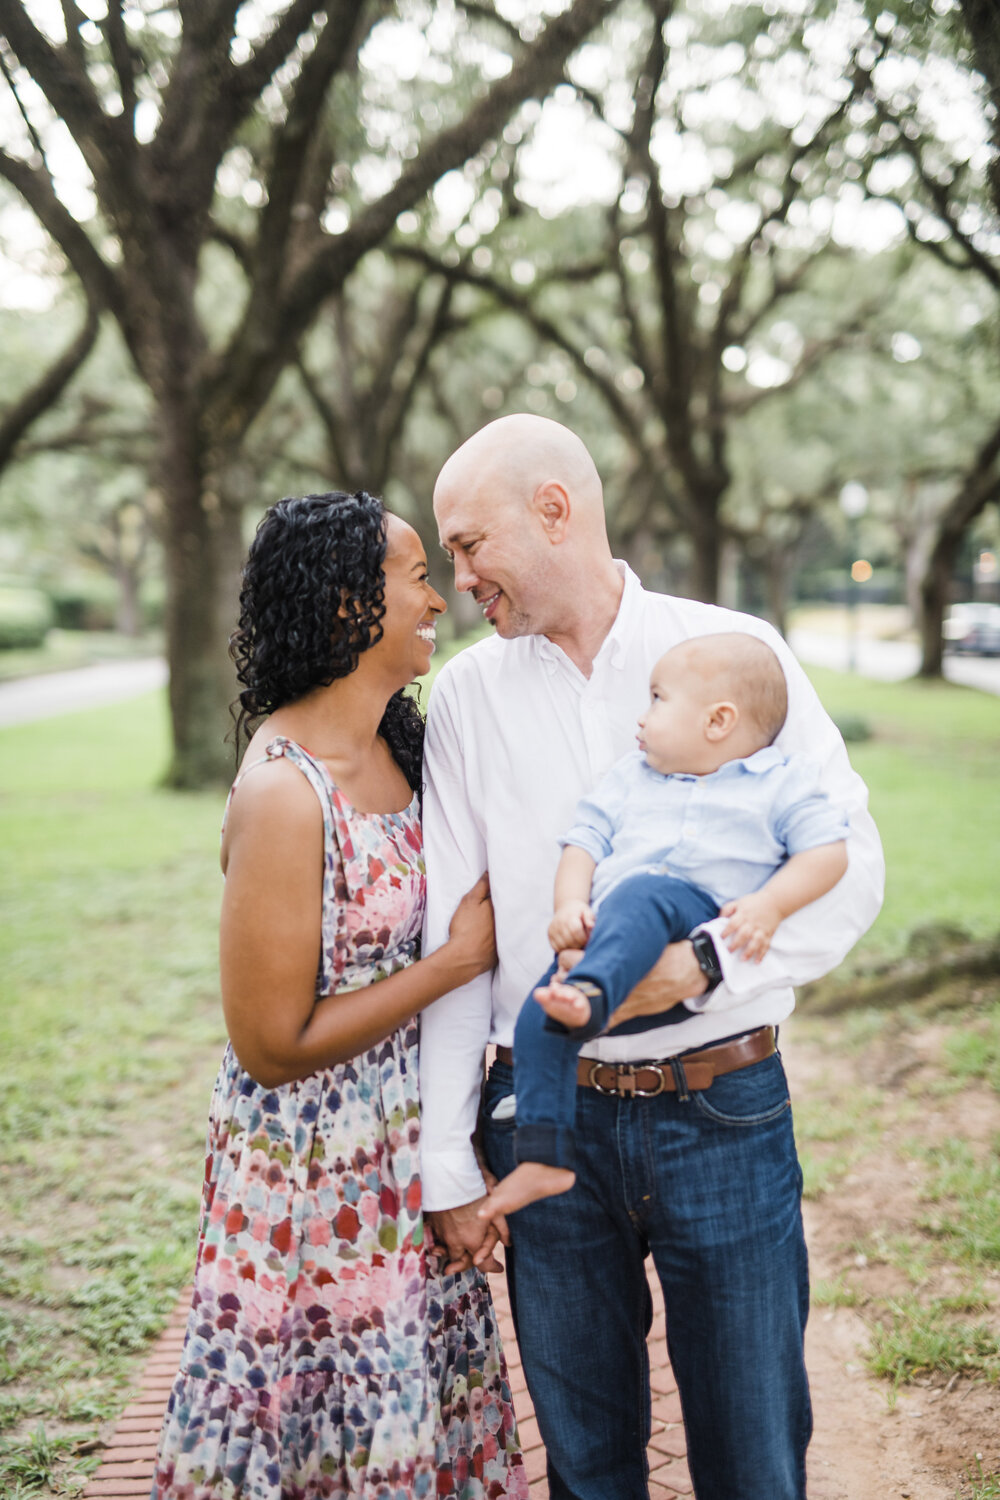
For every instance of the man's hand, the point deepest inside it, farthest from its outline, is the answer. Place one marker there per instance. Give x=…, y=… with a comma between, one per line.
x=674, y=977
x=465, y=1238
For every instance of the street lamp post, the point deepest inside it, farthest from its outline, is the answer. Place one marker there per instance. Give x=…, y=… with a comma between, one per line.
x=853, y=504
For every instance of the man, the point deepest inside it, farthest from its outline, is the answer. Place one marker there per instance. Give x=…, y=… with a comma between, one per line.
x=691, y=1157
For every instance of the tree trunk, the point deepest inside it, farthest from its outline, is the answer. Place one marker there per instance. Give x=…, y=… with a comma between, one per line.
x=203, y=548
x=776, y=570
x=127, y=617
x=707, y=542
x=935, y=587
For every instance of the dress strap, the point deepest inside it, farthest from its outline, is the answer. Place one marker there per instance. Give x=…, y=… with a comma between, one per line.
x=321, y=782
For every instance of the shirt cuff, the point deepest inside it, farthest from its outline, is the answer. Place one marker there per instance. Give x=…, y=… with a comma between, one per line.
x=587, y=839
x=452, y=1179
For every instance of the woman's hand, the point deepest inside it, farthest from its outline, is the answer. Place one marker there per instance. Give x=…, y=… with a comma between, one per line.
x=471, y=935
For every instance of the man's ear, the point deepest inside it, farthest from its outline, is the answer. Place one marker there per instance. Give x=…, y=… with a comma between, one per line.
x=721, y=721
x=550, y=503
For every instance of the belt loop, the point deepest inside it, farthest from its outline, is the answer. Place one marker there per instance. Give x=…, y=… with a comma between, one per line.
x=680, y=1080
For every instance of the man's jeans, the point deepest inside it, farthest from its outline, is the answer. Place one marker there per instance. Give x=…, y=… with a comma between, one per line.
x=710, y=1185
x=635, y=922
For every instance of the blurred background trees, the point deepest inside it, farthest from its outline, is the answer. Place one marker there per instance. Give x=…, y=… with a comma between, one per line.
x=748, y=251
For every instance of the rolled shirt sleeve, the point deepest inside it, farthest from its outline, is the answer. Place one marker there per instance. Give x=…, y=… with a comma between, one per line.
x=596, y=818
x=806, y=818
x=454, y=1030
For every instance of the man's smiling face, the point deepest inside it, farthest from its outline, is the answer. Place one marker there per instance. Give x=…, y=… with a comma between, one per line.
x=500, y=555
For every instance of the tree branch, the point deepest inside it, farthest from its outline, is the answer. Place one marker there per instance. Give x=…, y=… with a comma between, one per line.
x=36, y=189
x=47, y=390
x=8, y=73
x=246, y=377
x=815, y=351
x=544, y=326
x=121, y=56
x=61, y=75
x=290, y=153
x=941, y=201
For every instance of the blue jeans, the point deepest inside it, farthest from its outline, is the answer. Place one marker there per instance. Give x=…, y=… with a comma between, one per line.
x=710, y=1186
x=635, y=922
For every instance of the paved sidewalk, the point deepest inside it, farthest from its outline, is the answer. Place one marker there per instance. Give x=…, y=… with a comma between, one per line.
x=30, y=698
x=126, y=1470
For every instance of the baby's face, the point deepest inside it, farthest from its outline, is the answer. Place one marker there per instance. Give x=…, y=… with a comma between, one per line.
x=672, y=730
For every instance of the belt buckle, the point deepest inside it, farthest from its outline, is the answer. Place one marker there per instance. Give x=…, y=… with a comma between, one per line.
x=626, y=1088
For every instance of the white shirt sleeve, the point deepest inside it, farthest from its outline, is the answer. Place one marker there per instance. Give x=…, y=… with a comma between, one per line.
x=816, y=939
x=454, y=1031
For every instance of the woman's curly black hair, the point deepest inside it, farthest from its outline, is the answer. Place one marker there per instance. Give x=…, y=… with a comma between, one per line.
x=312, y=601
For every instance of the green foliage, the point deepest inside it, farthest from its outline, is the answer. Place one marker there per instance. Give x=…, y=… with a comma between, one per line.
x=916, y=1339
x=983, y=1486
x=25, y=618
x=975, y=1052
x=84, y=603
x=965, y=1191
x=854, y=729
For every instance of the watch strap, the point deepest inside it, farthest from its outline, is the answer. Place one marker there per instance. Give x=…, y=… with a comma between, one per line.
x=708, y=959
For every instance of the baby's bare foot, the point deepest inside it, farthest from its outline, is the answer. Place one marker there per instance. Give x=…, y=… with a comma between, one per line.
x=526, y=1184
x=564, y=1003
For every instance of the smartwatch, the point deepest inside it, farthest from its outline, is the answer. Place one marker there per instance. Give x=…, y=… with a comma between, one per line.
x=708, y=960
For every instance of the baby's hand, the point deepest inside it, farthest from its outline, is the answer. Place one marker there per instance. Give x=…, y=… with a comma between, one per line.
x=752, y=921
x=571, y=926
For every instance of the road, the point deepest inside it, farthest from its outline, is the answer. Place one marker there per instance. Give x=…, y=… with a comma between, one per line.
x=892, y=661
x=111, y=682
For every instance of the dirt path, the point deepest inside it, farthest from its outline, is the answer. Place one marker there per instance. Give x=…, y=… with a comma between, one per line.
x=865, y=1446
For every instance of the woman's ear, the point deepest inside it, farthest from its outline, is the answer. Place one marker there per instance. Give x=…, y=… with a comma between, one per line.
x=550, y=503
x=721, y=721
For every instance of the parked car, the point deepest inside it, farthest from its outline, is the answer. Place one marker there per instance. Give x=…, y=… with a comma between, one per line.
x=973, y=628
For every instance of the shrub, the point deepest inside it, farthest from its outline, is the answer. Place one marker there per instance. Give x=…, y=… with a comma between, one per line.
x=854, y=728
x=84, y=603
x=25, y=618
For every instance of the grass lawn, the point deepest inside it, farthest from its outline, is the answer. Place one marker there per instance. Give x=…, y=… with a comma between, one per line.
x=931, y=767
x=111, y=1032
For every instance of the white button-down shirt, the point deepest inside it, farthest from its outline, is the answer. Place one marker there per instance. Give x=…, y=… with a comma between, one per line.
x=515, y=736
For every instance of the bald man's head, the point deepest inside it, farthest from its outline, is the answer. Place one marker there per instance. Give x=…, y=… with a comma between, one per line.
x=520, y=509
x=519, y=453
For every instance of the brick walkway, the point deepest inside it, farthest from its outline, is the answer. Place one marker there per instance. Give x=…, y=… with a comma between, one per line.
x=126, y=1470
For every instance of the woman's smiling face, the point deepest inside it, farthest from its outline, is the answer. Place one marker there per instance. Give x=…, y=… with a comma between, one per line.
x=412, y=604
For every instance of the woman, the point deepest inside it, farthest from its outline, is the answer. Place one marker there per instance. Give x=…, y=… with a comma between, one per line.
x=324, y=1355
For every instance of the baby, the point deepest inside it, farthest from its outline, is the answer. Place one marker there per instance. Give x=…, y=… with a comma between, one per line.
x=706, y=817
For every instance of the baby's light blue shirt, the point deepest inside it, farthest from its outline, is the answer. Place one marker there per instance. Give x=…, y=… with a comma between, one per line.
x=727, y=832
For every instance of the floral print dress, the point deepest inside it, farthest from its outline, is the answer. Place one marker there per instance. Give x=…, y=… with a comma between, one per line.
x=323, y=1356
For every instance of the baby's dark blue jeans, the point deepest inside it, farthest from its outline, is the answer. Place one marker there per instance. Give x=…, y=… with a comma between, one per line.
x=635, y=922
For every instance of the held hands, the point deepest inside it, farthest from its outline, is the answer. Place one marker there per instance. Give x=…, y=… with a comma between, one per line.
x=751, y=925
x=471, y=933
x=464, y=1240
x=571, y=926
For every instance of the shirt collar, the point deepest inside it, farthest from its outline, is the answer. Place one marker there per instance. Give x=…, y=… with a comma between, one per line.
x=614, y=647
x=759, y=762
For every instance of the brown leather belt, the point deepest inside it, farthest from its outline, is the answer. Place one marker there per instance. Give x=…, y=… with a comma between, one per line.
x=644, y=1080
